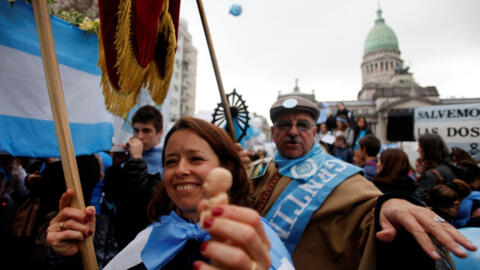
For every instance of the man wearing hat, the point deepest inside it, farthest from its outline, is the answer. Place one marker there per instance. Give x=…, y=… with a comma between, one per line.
x=322, y=208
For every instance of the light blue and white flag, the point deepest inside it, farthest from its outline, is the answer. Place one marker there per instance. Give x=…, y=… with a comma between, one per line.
x=26, y=122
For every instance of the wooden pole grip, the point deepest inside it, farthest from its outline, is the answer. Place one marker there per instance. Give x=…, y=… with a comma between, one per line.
x=60, y=118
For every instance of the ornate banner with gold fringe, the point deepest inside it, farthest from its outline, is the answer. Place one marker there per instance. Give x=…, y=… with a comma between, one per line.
x=137, y=42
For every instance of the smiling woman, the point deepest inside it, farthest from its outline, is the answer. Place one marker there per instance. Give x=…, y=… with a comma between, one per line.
x=192, y=148
x=232, y=237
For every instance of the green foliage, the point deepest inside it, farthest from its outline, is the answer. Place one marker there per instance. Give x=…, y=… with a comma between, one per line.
x=74, y=17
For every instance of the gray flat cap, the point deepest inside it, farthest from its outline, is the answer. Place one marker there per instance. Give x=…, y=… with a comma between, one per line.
x=293, y=104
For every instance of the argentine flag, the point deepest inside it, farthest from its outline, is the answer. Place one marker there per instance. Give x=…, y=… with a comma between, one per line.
x=26, y=122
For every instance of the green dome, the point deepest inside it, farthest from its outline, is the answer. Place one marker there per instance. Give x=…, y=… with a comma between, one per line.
x=381, y=37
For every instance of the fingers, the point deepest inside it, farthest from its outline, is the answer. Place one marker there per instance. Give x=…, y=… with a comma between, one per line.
x=388, y=232
x=243, y=238
x=244, y=155
x=90, y=213
x=65, y=230
x=445, y=233
x=228, y=257
x=66, y=199
x=244, y=215
x=397, y=212
x=419, y=221
x=462, y=240
x=69, y=226
x=135, y=147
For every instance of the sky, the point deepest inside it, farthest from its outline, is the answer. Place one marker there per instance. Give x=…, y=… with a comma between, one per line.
x=274, y=42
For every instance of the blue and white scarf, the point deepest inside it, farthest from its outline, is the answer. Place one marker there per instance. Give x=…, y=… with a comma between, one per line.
x=160, y=242
x=314, y=177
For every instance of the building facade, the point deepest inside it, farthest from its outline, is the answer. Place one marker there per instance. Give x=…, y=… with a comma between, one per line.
x=387, y=83
x=183, y=84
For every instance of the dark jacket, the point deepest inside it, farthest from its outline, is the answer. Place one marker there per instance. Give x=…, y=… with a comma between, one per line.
x=130, y=187
x=344, y=154
x=430, y=179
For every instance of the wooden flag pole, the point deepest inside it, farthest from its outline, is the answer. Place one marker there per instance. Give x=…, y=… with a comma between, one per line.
x=213, y=57
x=60, y=118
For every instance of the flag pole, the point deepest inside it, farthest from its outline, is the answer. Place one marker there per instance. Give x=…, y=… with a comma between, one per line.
x=213, y=57
x=60, y=118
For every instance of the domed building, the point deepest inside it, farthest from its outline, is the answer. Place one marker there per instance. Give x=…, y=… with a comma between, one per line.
x=386, y=83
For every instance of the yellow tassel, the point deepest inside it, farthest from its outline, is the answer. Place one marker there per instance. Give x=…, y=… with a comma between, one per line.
x=131, y=75
x=115, y=102
x=166, y=30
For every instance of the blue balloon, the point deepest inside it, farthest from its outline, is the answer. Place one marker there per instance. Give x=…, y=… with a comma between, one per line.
x=236, y=10
x=472, y=262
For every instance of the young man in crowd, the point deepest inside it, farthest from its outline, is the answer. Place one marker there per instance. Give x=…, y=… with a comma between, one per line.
x=368, y=148
x=130, y=182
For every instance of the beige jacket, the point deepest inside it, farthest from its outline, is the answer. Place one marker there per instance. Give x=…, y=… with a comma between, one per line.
x=340, y=234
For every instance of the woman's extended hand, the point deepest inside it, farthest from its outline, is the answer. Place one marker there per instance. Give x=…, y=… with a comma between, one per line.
x=421, y=222
x=70, y=226
x=238, y=240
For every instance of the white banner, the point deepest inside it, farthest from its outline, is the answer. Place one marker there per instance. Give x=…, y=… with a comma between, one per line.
x=458, y=125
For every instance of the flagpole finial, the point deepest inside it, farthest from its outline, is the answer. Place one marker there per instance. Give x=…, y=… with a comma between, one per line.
x=296, y=88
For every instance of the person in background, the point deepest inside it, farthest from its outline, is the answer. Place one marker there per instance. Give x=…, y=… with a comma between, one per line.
x=324, y=137
x=8, y=207
x=369, y=146
x=136, y=171
x=331, y=122
x=469, y=210
x=343, y=128
x=235, y=237
x=458, y=155
x=15, y=174
x=444, y=199
x=419, y=168
x=343, y=111
x=439, y=168
x=361, y=130
x=341, y=150
x=358, y=159
x=393, y=172
x=47, y=186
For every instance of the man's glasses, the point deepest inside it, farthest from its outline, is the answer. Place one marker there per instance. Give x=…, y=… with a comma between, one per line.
x=301, y=125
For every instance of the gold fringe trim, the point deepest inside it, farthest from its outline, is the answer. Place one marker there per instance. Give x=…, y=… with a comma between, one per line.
x=131, y=75
x=115, y=102
x=159, y=88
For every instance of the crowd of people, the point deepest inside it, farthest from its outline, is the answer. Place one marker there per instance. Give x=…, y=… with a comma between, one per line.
x=302, y=208
x=445, y=181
